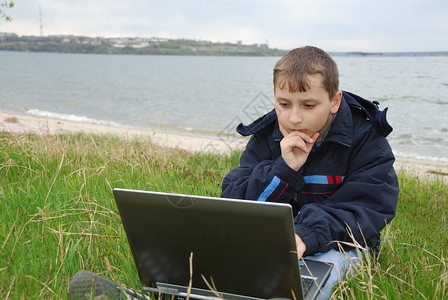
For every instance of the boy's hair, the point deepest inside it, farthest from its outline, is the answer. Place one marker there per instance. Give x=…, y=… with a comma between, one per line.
x=294, y=67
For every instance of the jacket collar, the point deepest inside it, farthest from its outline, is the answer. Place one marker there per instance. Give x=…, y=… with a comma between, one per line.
x=341, y=129
x=257, y=125
x=371, y=111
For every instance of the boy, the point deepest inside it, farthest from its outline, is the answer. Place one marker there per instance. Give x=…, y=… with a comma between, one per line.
x=325, y=152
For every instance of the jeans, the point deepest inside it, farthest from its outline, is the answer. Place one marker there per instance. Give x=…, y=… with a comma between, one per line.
x=342, y=261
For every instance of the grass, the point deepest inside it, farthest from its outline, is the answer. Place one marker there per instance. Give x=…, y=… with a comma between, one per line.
x=58, y=216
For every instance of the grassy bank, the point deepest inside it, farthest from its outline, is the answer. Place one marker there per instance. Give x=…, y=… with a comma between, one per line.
x=58, y=216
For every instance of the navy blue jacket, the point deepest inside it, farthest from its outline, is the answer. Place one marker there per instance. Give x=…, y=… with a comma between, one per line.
x=348, y=181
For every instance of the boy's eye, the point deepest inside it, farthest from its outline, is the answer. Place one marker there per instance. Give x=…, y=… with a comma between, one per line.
x=284, y=103
x=309, y=105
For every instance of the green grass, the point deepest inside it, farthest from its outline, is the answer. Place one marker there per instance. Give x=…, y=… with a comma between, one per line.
x=58, y=216
x=413, y=259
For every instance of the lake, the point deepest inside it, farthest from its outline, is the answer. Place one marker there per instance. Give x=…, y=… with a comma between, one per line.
x=210, y=95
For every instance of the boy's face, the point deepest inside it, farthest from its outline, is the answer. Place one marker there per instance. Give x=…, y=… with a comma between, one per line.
x=308, y=112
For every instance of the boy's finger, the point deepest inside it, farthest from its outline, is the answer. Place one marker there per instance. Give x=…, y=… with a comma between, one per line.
x=314, y=138
x=304, y=136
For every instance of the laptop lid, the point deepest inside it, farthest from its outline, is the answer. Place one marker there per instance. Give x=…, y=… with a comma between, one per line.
x=242, y=248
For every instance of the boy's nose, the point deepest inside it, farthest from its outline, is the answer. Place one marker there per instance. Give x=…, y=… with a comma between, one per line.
x=295, y=117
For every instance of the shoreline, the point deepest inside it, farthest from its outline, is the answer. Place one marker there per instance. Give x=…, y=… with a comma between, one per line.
x=22, y=123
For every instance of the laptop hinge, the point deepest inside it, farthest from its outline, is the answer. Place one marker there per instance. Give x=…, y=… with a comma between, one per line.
x=181, y=292
x=163, y=290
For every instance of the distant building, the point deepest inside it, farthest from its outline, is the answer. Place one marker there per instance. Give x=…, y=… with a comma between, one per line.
x=134, y=43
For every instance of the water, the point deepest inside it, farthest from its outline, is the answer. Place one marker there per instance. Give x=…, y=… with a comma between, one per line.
x=210, y=95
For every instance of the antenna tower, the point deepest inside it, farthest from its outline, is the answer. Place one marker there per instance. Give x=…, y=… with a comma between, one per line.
x=41, y=26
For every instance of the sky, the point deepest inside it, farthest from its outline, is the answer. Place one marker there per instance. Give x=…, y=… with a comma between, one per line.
x=333, y=25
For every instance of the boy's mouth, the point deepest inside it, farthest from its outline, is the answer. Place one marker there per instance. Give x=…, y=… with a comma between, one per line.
x=299, y=130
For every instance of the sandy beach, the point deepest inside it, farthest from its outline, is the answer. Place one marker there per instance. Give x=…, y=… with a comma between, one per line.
x=20, y=123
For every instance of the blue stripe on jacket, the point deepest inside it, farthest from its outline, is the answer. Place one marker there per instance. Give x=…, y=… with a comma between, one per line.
x=320, y=179
x=269, y=189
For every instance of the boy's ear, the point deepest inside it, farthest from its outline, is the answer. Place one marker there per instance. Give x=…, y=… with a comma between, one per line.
x=336, y=102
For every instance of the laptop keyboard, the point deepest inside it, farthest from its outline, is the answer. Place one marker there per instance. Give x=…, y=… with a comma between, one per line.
x=306, y=284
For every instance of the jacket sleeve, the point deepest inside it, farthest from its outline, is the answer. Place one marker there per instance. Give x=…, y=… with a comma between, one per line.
x=261, y=176
x=365, y=203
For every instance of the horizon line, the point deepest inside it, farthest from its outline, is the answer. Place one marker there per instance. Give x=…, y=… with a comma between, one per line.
x=354, y=52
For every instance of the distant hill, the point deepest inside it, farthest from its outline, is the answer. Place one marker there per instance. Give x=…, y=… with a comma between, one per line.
x=144, y=46
x=157, y=46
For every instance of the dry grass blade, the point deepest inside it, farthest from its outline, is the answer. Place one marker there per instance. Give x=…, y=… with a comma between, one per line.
x=13, y=280
x=404, y=282
x=441, y=259
x=9, y=233
x=109, y=267
x=54, y=179
x=45, y=286
x=82, y=233
x=190, y=282
x=212, y=287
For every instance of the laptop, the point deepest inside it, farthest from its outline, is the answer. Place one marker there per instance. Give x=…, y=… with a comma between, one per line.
x=206, y=247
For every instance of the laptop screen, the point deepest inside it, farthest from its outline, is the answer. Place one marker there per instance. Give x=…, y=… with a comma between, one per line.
x=239, y=247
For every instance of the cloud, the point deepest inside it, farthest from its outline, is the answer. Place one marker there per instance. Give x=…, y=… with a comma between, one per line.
x=344, y=25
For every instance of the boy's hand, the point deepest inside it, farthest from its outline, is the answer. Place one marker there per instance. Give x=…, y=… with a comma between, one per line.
x=301, y=247
x=296, y=147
